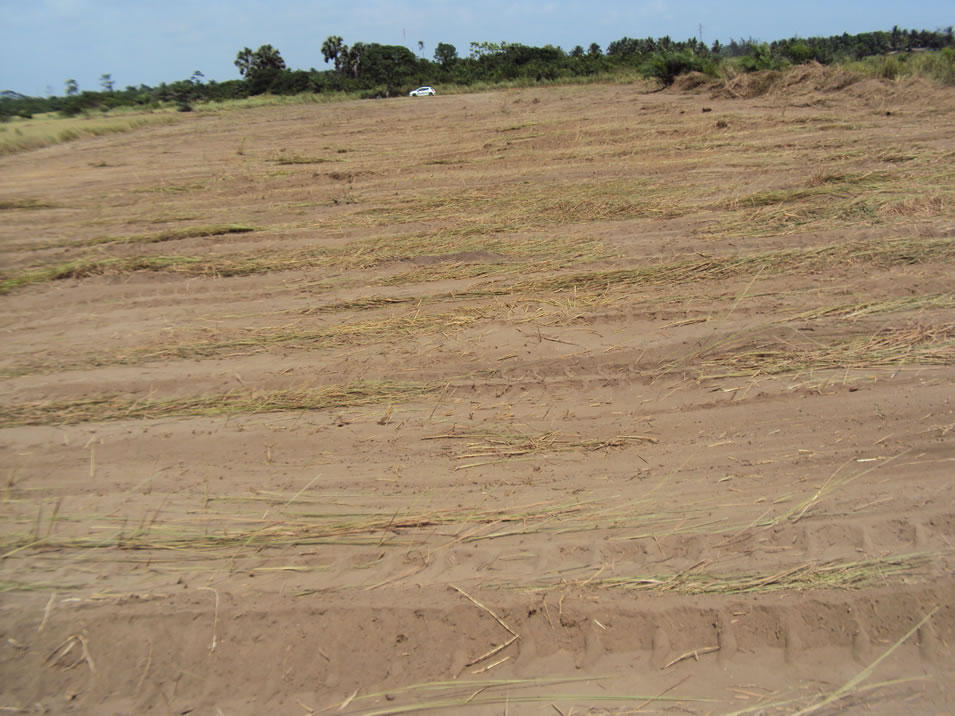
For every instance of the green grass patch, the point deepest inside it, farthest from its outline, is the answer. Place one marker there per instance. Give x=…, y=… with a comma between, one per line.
x=81, y=268
x=11, y=204
x=291, y=159
x=937, y=66
x=185, y=232
x=46, y=131
x=170, y=188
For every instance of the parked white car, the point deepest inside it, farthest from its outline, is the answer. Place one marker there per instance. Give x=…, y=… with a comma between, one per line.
x=422, y=92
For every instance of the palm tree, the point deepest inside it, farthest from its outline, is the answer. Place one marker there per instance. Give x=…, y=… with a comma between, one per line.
x=268, y=58
x=332, y=50
x=243, y=61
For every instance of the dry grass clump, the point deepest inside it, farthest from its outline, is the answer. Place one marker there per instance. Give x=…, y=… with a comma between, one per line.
x=232, y=403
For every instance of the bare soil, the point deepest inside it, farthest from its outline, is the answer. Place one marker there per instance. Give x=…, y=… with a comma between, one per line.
x=557, y=400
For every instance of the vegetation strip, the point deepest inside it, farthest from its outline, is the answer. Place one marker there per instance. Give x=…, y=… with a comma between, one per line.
x=233, y=403
x=810, y=575
x=920, y=345
x=342, y=334
x=360, y=255
x=373, y=252
x=369, y=69
x=308, y=518
x=307, y=523
x=886, y=347
x=872, y=253
x=185, y=232
x=490, y=447
x=9, y=204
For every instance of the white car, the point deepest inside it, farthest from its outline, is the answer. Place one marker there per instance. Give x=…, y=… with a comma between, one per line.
x=422, y=92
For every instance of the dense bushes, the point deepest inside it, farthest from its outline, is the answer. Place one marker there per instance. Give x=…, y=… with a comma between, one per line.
x=372, y=69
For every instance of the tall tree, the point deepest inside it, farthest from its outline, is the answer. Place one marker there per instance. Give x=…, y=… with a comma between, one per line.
x=445, y=54
x=351, y=59
x=390, y=65
x=106, y=81
x=72, y=88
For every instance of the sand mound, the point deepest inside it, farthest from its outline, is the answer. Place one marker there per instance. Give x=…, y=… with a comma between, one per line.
x=693, y=81
x=813, y=81
x=801, y=80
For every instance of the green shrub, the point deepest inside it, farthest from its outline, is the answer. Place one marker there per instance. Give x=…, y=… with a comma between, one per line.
x=890, y=69
x=798, y=53
x=940, y=65
x=759, y=58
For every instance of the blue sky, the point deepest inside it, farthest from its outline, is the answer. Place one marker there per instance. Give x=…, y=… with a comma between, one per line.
x=45, y=42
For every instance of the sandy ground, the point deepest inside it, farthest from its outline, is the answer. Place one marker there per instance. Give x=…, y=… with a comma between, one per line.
x=559, y=400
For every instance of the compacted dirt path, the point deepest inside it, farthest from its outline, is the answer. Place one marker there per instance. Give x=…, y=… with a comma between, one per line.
x=556, y=400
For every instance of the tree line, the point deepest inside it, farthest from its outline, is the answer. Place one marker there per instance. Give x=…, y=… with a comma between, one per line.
x=372, y=69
